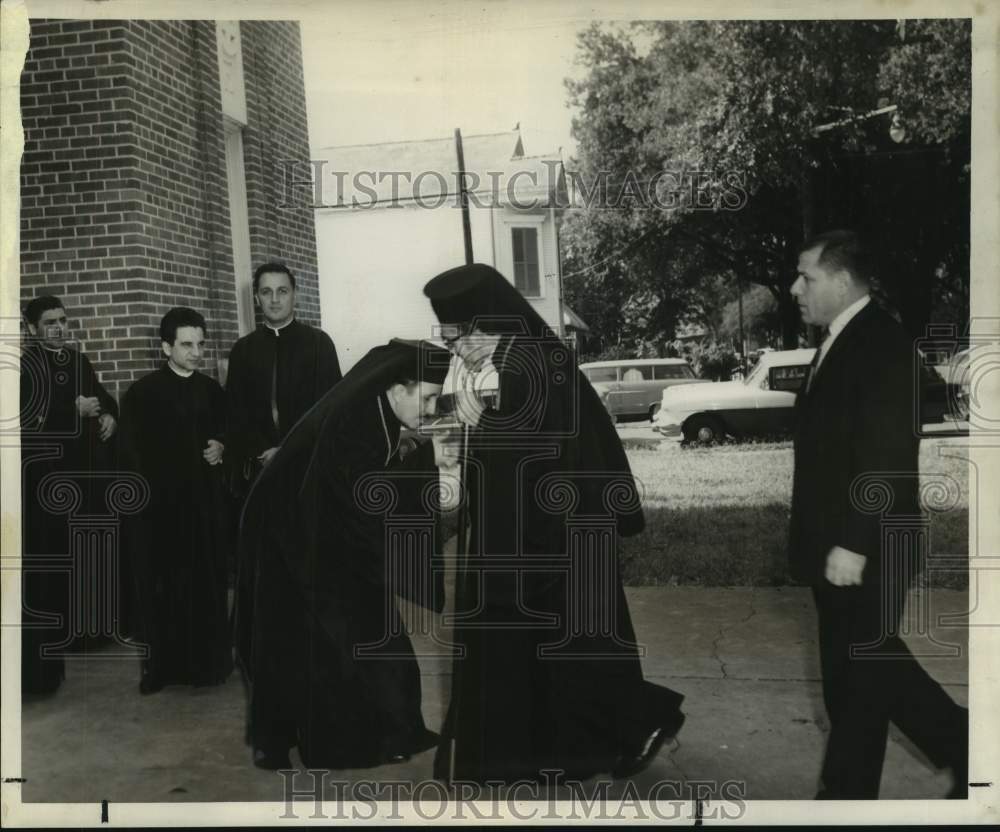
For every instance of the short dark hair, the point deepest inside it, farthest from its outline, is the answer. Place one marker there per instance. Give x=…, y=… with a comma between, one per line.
x=36, y=306
x=176, y=318
x=281, y=268
x=842, y=249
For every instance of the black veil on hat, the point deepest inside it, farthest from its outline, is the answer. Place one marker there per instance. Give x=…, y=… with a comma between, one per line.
x=479, y=295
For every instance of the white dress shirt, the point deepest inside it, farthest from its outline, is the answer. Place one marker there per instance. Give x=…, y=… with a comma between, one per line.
x=837, y=324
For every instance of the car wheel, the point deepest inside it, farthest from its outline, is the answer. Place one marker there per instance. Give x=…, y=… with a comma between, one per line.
x=703, y=430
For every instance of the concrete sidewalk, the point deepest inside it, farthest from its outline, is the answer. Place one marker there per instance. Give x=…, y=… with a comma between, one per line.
x=746, y=659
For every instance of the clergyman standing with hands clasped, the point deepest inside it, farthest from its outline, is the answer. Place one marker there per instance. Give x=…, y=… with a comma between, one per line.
x=854, y=429
x=173, y=422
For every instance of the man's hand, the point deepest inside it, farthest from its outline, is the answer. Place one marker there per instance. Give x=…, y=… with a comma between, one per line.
x=844, y=567
x=265, y=457
x=213, y=452
x=108, y=426
x=88, y=406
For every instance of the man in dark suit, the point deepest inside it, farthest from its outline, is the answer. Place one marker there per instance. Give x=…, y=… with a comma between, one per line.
x=856, y=468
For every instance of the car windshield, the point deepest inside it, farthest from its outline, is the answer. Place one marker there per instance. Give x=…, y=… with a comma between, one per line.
x=758, y=373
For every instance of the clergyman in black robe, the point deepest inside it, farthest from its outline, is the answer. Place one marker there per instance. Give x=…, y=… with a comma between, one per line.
x=68, y=421
x=275, y=374
x=173, y=422
x=551, y=676
x=314, y=587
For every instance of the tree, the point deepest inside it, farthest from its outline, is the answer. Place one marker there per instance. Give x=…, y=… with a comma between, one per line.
x=761, y=318
x=763, y=131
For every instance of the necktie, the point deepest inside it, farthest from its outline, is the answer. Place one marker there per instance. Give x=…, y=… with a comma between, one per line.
x=814, y=365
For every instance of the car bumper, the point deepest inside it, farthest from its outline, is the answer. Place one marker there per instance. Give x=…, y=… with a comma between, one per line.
x=667, y=424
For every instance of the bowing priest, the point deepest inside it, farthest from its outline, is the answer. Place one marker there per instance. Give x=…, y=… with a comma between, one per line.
x=314, y=593
x=549, y=674
x=173, y=423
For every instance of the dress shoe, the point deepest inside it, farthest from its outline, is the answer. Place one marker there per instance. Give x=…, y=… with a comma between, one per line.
x=271, y=760
x=631, y=764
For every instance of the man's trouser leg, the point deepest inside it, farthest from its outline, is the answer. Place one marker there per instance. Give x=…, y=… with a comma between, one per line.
x=869, y=678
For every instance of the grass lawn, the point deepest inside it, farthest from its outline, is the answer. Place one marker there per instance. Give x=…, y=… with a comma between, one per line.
x=719, y=516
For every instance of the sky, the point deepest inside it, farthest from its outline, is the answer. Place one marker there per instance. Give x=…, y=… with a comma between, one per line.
x=402, y=71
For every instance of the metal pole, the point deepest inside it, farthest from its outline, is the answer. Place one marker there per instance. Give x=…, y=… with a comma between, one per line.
x=461, y=542
x=561, y=330
x=463, y=198
x=743, y=339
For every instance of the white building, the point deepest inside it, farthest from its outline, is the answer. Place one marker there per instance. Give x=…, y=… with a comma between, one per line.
x=391, y=219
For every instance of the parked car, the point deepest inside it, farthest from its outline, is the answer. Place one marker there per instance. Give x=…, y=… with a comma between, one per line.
x=760, y=404
x=763, y=403
x=633, y=387
x=962, y=369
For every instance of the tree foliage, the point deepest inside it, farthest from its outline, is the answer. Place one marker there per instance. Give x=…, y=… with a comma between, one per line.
x=763, y=133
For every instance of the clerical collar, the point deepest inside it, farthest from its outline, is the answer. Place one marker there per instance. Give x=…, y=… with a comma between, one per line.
x=277, y=329
x=181, y=373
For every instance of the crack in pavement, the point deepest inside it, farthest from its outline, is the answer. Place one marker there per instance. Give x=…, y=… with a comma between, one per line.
x=723, y=631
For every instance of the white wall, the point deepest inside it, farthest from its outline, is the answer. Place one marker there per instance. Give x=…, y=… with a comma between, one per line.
x=373, y=265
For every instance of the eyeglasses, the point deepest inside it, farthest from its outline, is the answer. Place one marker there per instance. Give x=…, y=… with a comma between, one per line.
x=450, y=333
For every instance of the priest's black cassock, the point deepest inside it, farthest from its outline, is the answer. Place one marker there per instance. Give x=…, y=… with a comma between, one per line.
x=313, y=581
x=54, y=438
x=178, y=542
x=274, y=377
x=551, y=677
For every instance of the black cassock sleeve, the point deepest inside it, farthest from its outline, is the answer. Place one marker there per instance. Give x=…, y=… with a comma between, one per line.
x=352, y=496
x=219, y=412
x=91, y=386
x=243, y=439
x=327, y=366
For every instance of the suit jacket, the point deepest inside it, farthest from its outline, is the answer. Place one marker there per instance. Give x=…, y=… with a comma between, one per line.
x=855, y=447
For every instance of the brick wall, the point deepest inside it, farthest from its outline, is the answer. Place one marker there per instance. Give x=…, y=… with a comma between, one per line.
x=181, y=175
x=80, y=202
x=282, y=225
x=124, y=199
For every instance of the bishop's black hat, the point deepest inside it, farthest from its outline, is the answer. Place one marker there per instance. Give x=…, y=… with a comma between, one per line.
x=479, y=296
